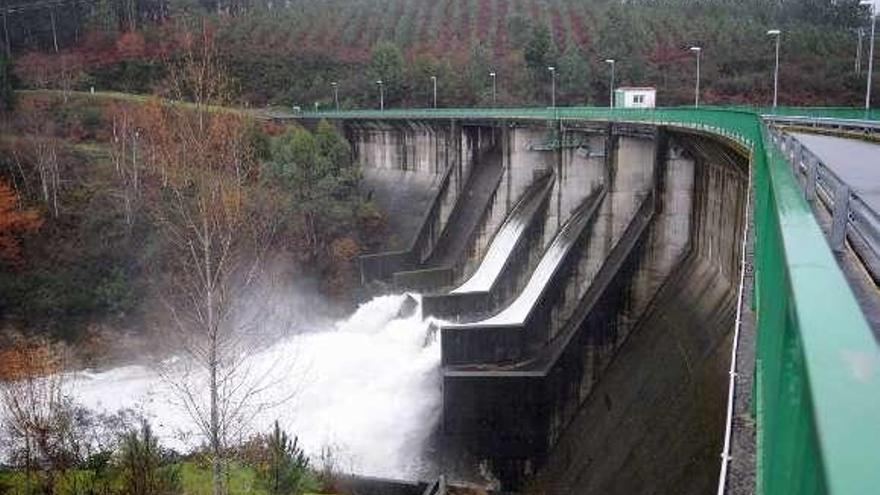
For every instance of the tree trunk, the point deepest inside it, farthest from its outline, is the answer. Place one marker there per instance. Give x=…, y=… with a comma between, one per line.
x=54, y=30
x=6, y=36
x=27, y=462
x=216, y=465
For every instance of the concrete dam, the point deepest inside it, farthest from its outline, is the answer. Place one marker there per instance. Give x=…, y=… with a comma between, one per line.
x=586, y=275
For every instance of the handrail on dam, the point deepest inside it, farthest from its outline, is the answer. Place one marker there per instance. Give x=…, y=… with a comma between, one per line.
x=817, y=384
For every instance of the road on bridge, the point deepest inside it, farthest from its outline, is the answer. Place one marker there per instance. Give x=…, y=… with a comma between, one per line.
x=856, y=162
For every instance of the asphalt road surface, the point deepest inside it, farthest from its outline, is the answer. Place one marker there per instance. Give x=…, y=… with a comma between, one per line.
x=856, y=162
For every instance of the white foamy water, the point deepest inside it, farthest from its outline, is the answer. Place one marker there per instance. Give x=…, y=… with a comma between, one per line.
x=368, y=387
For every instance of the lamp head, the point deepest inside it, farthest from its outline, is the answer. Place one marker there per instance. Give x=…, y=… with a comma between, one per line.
x=379, y=81
x=491, y=74
x=696, y=49
x=609, y=60
x=774, y=32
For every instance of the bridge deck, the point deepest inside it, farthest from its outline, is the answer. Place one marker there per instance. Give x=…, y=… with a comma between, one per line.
x=856, y=162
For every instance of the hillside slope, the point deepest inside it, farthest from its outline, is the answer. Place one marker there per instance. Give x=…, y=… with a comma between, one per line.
x=289, y=52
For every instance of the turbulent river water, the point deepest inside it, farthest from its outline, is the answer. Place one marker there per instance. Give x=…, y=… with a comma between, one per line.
x=367, y=387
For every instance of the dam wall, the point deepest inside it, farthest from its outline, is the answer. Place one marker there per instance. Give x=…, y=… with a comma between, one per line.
x=577, y=172
x=519, y=416
x=424, y=173
x=632, y=243
x=634, y=391
x=415, y=173
x=652, y=423
x=630, y=172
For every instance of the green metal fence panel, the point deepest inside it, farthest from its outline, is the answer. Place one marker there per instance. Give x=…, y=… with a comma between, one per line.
x=817, y=392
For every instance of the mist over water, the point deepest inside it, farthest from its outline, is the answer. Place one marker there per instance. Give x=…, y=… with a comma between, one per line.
x=368, y=387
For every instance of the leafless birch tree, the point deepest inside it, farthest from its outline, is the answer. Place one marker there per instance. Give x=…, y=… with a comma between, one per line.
x=217, y=239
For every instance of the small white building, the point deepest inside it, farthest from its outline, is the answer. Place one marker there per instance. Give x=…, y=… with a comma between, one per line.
x=633, y=97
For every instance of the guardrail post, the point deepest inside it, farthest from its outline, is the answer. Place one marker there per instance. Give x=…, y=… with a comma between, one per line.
x=841, y=217
x=798, y=157
x=812, y=176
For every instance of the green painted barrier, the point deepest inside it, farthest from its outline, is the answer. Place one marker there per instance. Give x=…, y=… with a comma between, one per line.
x=817, y=393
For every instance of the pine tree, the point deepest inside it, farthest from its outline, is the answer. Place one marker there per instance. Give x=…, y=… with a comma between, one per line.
x=386, y=65
x=573, y=76
x=141, y=462
x=286, y=467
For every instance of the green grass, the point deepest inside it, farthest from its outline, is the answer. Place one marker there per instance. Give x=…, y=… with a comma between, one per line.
x=110, y=96
x=195, y=479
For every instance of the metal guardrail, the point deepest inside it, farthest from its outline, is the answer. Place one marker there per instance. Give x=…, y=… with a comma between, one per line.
x=852, y=218
x=869, y=127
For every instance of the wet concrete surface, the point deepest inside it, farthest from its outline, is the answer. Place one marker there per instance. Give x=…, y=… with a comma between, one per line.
x=856, y=162
x=651, y=423
x=468, y=211
x=401, y=190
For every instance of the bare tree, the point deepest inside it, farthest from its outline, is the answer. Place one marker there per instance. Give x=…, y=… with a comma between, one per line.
x=68, y=73
x=217, y=238
x=37, y=406
x=124, y=151
x=45, y=152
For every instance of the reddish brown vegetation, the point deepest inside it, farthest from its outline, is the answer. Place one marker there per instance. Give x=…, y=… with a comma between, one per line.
x=424, y=33
x=558, y=28
x=22, y=358
x=484, y=20
x=579, y=29
x=444, y=41
x=463, y=36
x=501, y=28
x=42, y=70
x=14, y=221
x=534, y=10
x=131, y=45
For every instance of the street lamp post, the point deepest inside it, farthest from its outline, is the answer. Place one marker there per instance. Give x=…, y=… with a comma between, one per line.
x=776, y=33
x=552, y=86
x=494, y=89
x=335, y=94
x=698, y=51
x=434, y=80
x=873, y=5
x=381, y=95
x=611, y=88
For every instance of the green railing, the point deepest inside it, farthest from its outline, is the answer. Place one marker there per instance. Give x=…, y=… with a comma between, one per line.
x=817, y=112
x=595, y=112
x=817, y=397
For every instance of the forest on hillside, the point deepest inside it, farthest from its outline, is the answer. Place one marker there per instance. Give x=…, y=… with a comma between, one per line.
x=288, y=52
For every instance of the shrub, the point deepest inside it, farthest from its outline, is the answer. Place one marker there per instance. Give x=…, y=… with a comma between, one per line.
x=284, y=467
x=145, y=470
